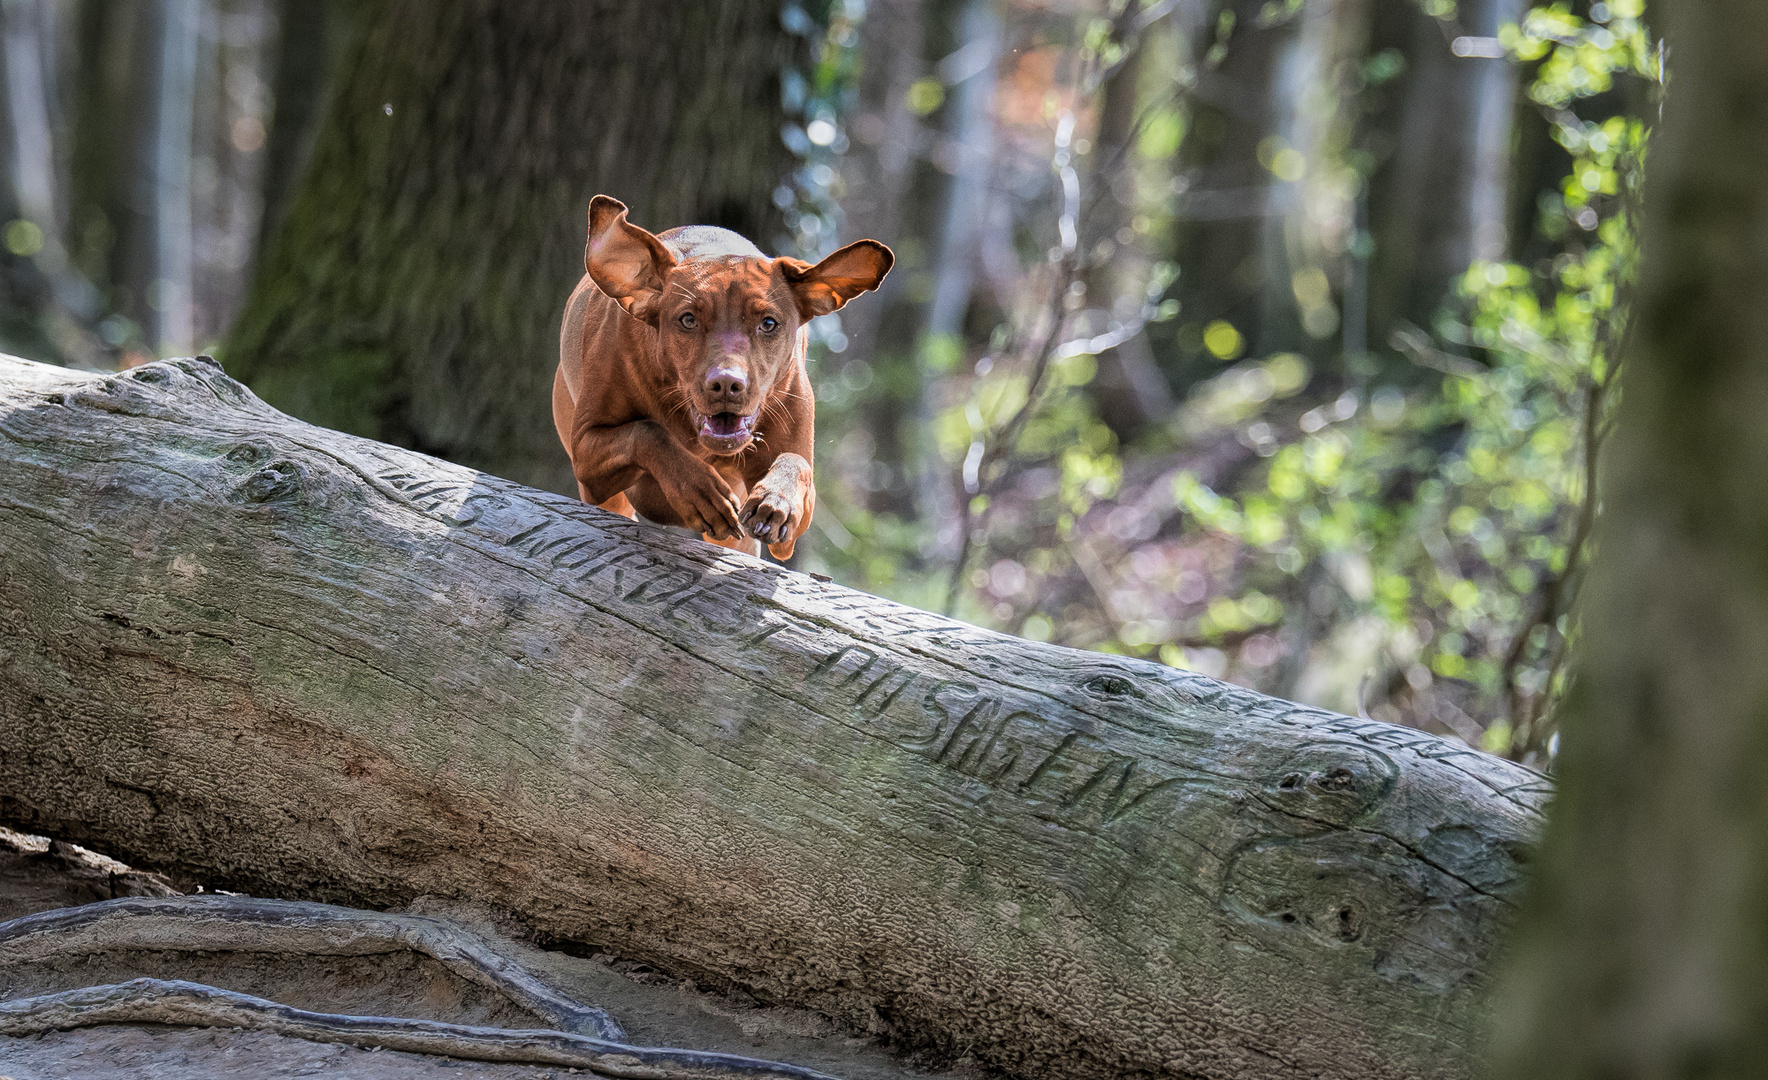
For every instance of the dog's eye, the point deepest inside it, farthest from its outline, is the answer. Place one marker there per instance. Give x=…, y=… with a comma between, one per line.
x=768, y=325
x=687, y=321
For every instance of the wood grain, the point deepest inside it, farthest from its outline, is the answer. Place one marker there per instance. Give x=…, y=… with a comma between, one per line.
x=298, y=663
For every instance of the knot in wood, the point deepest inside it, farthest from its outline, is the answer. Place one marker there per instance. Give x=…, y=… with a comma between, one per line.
x=279, y=481
x=151, y=374
x=249, y=453
x=1332, y=783
x=1110, y=685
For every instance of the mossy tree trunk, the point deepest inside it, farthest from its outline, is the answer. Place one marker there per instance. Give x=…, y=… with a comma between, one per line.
x=414, y=287
x=1647, y=938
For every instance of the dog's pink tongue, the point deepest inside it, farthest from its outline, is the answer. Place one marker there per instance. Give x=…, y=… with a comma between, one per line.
x=726, y=424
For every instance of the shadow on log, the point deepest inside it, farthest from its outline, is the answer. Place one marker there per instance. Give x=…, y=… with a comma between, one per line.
x=292, y=662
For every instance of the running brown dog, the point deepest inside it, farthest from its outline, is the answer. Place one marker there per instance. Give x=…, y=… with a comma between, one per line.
x=681, y=392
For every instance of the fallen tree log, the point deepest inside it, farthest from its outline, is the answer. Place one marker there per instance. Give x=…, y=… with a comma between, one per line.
x=287, y=661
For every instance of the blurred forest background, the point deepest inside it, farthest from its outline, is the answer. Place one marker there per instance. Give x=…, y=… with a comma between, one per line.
x=1274, y=339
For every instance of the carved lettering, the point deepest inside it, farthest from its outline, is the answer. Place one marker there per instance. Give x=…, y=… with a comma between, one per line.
x=833, y=661
x=1136, y=801
x=566, y=557
x=430, y=488
x=454, y=500
x=1120, y=767
x=940, y=712
x=777, y=621
x=975, y=758
x=474, y=507
x=979, y=736
x=884, y=701
x=617, y=562
x=541, y=526
x=969, y=724
x=571, y=540
x=766, y=632
x=680, y=582
x=1050, y=762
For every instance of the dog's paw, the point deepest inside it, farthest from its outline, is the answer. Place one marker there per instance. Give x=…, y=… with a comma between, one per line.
x=770, y=516
x=705, y=504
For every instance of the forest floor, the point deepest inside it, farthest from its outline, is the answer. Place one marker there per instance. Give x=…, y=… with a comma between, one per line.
x=656, y=1010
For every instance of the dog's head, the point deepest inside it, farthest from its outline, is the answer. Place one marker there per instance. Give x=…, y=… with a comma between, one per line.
x=727, y=324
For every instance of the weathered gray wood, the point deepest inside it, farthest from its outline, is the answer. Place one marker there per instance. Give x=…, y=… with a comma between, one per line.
x=188, y=1004
x=294, y=662
x=214, y=923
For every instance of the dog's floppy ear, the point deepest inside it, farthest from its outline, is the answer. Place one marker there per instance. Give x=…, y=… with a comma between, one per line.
x=628, y=263
x=856, y=268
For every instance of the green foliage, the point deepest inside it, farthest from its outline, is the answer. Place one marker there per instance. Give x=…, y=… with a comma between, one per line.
x=1414, y=538
x=1447, y=521
x=1581, y=57
x=1460, y=517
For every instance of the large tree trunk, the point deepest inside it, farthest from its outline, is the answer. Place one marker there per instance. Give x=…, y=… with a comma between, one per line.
x=284, y=660
x=1644, y=952
x=414, y=290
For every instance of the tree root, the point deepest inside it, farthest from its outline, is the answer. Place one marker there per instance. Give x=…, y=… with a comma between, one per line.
x=218, y=923
x=188, y=1004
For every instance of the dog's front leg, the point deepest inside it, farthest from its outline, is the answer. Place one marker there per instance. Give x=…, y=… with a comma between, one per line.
x=737, y=541
x=608, y=460
x=779, y=507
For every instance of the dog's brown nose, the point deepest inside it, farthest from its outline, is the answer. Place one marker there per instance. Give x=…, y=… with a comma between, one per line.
x=726, y=382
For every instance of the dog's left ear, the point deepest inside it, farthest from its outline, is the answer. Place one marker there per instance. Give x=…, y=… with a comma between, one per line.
x=628, y=263
x=859, y=267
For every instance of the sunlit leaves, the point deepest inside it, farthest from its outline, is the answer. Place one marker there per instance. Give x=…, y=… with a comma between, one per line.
x=23, y=238
x=1243, y=391
x=1222, y=340
x=1582, y=57
x=1162, y=134
x=1448, y=517
x=925, y=95
x=1384, y=65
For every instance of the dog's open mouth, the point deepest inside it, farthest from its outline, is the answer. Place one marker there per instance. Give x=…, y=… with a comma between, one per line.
x=727, y=431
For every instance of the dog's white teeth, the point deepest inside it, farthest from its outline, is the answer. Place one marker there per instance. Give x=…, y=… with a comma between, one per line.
x=727, y=426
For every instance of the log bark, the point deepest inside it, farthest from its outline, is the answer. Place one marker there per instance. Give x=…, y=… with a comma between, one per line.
x=283, y=660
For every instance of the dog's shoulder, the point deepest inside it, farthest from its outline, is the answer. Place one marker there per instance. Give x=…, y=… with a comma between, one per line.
x=709, y=242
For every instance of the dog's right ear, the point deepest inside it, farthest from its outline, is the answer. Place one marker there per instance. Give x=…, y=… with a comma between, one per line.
x=859, y=267
x=626, y=262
